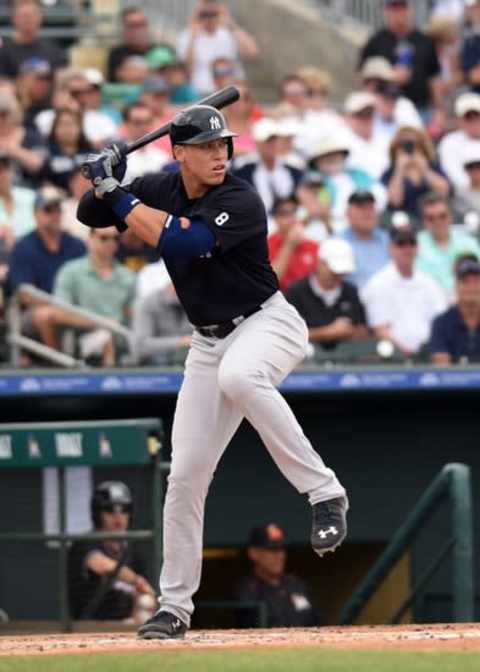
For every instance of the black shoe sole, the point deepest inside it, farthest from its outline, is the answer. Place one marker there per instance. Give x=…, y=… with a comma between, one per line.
x=156, y=634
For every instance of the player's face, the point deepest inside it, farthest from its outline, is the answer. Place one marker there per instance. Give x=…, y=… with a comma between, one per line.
x=270, y=562
x=115, y=520
x=205, y=163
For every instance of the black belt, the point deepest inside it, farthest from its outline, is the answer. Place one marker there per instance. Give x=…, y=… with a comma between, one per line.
x=223, y=329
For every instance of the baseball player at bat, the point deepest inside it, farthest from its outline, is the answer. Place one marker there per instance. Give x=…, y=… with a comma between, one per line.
x=211, y=230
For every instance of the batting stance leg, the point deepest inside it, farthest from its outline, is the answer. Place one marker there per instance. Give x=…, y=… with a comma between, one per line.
x=226, y=380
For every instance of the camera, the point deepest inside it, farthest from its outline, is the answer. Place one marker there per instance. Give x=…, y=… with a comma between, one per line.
x=408, y=146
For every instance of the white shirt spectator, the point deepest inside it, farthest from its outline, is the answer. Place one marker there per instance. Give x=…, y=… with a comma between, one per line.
x=148, y=159
x=406, y=305
x=451, y=151
x=372, y=156
x=97, y=126
x=208, y=47
x=151, y=278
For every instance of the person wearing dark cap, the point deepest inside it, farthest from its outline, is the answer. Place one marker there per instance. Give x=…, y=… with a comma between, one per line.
x=401, y=301
x=285, y=597
x=455, y=336
x=25, y=42
x=92, y=563
x=370, y=244
x=412, y=54
x=36, y=258
x=34, y=89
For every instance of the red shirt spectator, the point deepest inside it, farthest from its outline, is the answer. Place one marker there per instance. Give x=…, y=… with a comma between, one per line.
x=292, y=254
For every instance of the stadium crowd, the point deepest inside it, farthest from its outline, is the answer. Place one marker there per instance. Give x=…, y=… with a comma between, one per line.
x=373, y=202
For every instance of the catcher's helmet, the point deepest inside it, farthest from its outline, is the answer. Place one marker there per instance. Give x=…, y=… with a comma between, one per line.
x=198, y=124
x=109, y=495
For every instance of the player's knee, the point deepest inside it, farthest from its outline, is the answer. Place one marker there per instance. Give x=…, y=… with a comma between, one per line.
x=237, y=384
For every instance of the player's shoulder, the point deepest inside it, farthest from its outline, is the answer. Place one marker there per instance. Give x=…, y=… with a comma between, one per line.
x=236, y=192
x=151, y=183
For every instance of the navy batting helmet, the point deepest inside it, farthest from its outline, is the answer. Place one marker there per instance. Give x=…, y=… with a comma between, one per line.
x=110, y=495
x=199, y=124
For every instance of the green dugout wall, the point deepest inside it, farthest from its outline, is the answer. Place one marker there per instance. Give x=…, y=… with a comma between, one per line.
x=386, y=448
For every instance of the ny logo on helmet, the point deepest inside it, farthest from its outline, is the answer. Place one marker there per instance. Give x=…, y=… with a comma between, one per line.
x=215, y=123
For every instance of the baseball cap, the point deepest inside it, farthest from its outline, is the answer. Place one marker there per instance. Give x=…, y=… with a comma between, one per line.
x=47, y=196
x=155, y=85
x=338, y=255
x=265, y=129
x=159, y=57
x=403, y=234
x=467, y=102
x=358, y=101
x=467, y=267
x=36, y=65
x=377, y=67
x=329, y=144
x=267, y=536
x=361, y=196
x=94, y=76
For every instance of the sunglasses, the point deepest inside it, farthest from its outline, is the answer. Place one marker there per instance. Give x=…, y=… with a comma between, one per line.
x=116, y=508
x=285, y=212
x=104, y=238
x=471, y=116
x=410, y=242
x=364, y=114
x=50, y=209
x=441, y=217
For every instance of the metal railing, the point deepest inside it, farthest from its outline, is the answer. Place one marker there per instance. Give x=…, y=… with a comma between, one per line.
x=17, y=341
x=365, y=12
x=452, y=482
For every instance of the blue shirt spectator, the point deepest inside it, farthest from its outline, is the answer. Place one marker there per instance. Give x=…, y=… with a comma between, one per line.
x=370, y=244
x=455, y=334
x=36, y=258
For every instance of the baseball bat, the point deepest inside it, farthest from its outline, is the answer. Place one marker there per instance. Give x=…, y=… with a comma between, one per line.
x=218, y=99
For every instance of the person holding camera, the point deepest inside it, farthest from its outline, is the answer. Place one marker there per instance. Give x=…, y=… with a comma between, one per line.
x=213, y=34
x=413, y=171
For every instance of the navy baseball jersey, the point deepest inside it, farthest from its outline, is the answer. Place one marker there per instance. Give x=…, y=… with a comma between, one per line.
x=236, y=276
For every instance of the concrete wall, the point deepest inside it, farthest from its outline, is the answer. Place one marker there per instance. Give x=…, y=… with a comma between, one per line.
x=291, y=34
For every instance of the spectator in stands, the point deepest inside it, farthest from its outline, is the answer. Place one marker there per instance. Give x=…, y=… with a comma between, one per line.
x=293, y=94
x=292, y=254
x=16, y=202
x=453, y=9
x=392, y=108
x=401, y=301
x=369, y=243
x=77, y=186
x=155, y=94
x=314, y=202
x=135, y=253
x=37, y=257
x=286, y=597
x=160, y=326
x=212, y=34
x=455, y=334
x=80, y=91
x=224, y=72
x=270, y=176
x=134, y=70
x=445, y=34
x=23, y=145
x=328, y=157
x=98, y=283
x=470, y=52
x=453, y=146
x=25, y=42
x=329, y=305
x=136, y=40
x=149, y=159
x=413, y=171
x=368, y=151
x=467, y=199
x=241, y=117
x=440, y=244
x=67, y=148
x=34, y=89
x=163, y=62
x=109, y=563
x=413, y=56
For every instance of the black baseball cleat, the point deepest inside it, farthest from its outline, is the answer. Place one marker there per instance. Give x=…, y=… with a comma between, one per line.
x=329, y=525
x=163, y=625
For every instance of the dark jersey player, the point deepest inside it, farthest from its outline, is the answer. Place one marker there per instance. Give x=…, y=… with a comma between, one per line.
x=211, y=230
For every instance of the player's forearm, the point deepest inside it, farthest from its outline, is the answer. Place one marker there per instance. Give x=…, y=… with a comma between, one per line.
x=147, y=223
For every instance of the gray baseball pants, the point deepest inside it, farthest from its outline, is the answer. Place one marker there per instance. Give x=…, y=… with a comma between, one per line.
x=226, y=380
